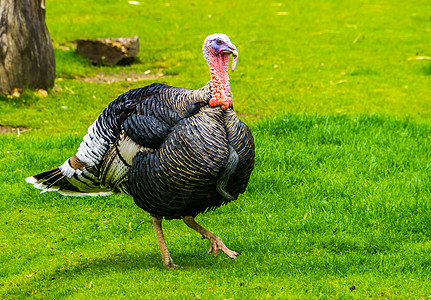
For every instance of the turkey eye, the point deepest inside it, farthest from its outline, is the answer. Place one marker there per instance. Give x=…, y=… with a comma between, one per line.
x=219, y=42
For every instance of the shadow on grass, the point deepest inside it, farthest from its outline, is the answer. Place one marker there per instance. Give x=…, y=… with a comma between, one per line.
x=427, y=70
x=80, y=273
x=138, y=261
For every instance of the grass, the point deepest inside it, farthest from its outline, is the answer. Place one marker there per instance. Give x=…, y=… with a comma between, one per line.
x=338, y=205
x=343, y=202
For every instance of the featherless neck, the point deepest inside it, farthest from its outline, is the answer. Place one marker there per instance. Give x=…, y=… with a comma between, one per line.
x=221, y=94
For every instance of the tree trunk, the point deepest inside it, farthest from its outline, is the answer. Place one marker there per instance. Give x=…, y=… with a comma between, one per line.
x=26, y=53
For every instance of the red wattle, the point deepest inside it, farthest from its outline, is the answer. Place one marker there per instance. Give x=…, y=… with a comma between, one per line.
x=223, y=103
x=221, y=94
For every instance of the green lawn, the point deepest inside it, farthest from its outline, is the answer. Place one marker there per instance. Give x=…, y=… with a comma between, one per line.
x=337, y=97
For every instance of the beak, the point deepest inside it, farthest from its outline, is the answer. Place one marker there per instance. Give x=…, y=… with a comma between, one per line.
x=235, y=58
x=231, y=49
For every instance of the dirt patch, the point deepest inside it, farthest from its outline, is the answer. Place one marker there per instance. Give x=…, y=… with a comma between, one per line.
x=9, y=129
x=104, y=78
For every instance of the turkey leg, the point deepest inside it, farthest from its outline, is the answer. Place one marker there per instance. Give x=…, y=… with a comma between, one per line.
x=216, y=243
x=166, y=257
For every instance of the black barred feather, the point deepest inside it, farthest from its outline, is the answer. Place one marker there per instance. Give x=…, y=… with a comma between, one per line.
x=148, y=131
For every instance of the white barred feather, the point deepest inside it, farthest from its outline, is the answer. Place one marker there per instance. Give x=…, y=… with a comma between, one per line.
x=66, y=169
x=94, y=145
x=118, y=160
x=76, y=194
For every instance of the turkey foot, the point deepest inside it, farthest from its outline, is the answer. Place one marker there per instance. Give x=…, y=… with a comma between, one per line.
x=216, y=242
x=166, y=257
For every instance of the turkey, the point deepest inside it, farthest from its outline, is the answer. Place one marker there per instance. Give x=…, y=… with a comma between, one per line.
x=177, y=152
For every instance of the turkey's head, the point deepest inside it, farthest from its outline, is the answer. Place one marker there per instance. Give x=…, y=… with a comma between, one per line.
x=217, y=48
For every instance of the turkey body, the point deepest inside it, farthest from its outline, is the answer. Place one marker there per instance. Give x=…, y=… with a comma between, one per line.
x=177, y=152
x=180, y=178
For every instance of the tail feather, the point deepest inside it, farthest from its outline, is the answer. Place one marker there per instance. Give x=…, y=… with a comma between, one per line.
x=54, y=181
x=50, y=180
x=47, y=174
x=53, y=178
x=57, y=179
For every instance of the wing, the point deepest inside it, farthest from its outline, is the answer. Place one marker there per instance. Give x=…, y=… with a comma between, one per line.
x=163, y=103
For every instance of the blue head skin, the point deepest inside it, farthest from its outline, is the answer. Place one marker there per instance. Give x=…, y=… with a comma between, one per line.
x=218, y=44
